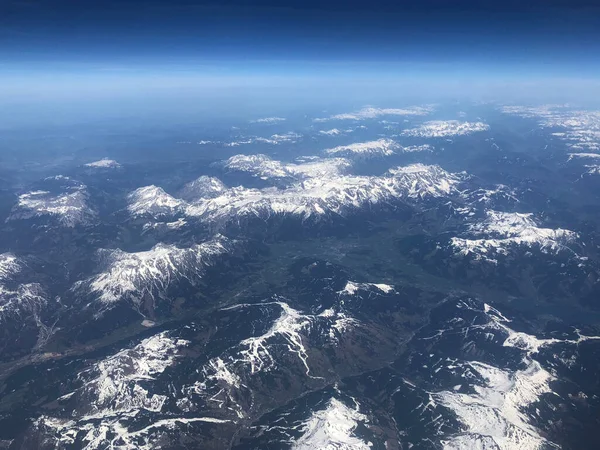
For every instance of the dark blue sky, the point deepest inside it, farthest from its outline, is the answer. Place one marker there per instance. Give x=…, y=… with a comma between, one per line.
x=551, y=35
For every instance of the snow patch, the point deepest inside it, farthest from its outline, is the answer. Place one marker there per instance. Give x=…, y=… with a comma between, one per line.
x=352, y=288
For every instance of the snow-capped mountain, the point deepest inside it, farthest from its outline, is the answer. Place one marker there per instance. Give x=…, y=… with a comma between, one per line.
x=315, y=167
x=499, y=195
x=445, y=128
x=23, y=307
x=322, y=191
x=579, y=129
x=110, y=390
x=497, y=408
x=494, y=385
x=373, y=113
x=592, y=161
x=299, y=347
x=469, y=380
x=436, y=293
x=69, y=207
x=116, y=398
x=143, y=278
x=380, y=147
x=114, y=386
x=275, y=139
x=153, y=201
x=269, y=120
x=416, y=148
x=328, y=418
x=260, y=166
x=333, y=427
x=202, y=187
x=500, y=231
x=9, y=266
x=104, y=163
x=26, y=300
x=230, y=376
x=317, y=197
x=332, y=132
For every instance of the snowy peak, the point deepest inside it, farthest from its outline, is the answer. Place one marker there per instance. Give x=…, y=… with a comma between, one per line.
x=498, y=195
x=320, y=167
x=380, y=147
x=416, y=148
x=421, y=181
x=203, y=187
x=332, y=132
x=503, y=224
x=332, y=428
x=528, y=343
x=275, y=139
x=22, y=302
x=370, y=112
x=445, y=128
x=153, y=201
x=499, y=231
x=9, y=266
x=288, y=325
x=260, y=166
x=496, y=408
x=104, y=163
x=268, y=120
x=264, y=167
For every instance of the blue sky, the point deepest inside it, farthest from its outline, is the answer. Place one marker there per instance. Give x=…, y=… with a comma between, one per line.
x=56, y=51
